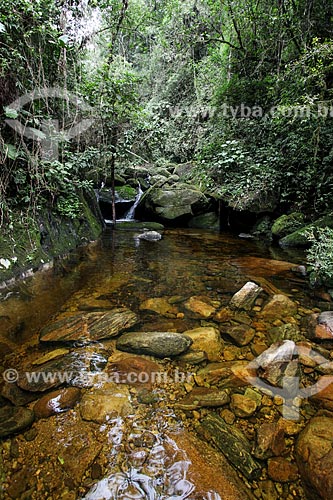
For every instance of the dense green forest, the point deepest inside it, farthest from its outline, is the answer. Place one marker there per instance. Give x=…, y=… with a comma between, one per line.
x=241, y=90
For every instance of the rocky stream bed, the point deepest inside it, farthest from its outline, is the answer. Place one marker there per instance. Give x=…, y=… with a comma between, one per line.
x=178, y=370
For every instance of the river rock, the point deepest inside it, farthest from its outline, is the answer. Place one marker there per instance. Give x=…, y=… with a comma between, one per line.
x=57, y=402
x=245, y=297
x=150, y=236
x=287, y=331
x=232, y=443
x=135, y=370
x=281, y=470
x=101, y=404
x=314, y=456
x=270, y=440
x=56, y=353
x=240, y=334
x=192, y=357
x=207, y=339
x=287, y=224
x=323, y=392
x=228, y=374
x=88, y=326
x=17, y=396
x=171, y=202
x=276, y=354
x=201, y=397
x=54, y=373
x=243, y=406
x=14, y=419
x=159, y=305
x=199, y=307
x=279, y=306
x=320, y=326
x=159, y=344
x=210, y=472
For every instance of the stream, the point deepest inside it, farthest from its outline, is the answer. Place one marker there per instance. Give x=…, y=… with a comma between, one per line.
x=143, y=439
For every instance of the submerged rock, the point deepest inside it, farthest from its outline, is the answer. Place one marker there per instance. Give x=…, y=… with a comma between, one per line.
x=320, y=326
x=242, y=406
x=201, y=397
x=207, y=339
x=159, y=305
x=57, y=402
x=17, y=396
x=71, y=369
x=232, y=443
x=240, y=334
x=14, y=419
x=278, y=307
x=314, y=456
x=102, y=404
x=134, y=370
x=199, y=307
x=159, y=344
x=57, y=353
x=88, y=326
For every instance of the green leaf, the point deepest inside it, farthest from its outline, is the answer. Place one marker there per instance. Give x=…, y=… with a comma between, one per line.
x=11, y=151
x=63, y=40
x=11, y=113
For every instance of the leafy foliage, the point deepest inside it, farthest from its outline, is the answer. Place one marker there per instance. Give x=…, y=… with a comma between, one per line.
x=320, y=256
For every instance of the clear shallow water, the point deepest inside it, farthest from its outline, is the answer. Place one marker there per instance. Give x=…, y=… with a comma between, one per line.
x=126, y=271
x=122, y=270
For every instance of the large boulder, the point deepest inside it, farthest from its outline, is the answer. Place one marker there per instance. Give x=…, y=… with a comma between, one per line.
x=171, y=202
x=287, y=224
x=314, y=456
x=209, y=220
x=299, y=238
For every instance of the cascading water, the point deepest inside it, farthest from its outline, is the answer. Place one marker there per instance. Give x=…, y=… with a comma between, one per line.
x=129, y=215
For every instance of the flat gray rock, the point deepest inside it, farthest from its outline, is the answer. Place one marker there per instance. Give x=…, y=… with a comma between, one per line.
x=159, y=344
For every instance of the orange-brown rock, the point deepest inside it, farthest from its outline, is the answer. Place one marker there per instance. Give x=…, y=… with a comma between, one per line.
x=210, y=471
x=279, y=469
x=57, y=402
x=134, y=370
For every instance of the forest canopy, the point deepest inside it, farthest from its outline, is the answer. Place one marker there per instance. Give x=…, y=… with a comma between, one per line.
x=242, y=89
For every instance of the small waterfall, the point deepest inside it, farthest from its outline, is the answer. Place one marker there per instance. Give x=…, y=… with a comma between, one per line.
x=129, y=215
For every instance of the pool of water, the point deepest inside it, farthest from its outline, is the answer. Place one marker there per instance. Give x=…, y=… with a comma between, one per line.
x=128, y=270
x=152, y=452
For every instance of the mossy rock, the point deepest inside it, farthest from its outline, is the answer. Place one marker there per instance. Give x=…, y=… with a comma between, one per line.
x=39, y=239
x=299, y=238
x=126, y=192
x=139, y=226
x=287, y=224
x=209, y=220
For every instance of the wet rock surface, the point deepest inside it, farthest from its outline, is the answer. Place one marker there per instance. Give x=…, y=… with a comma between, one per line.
x=14, y=419
x=57, y=402
x=210, y=425
x=159, y=344
x=88, y=326
x=314, y=456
